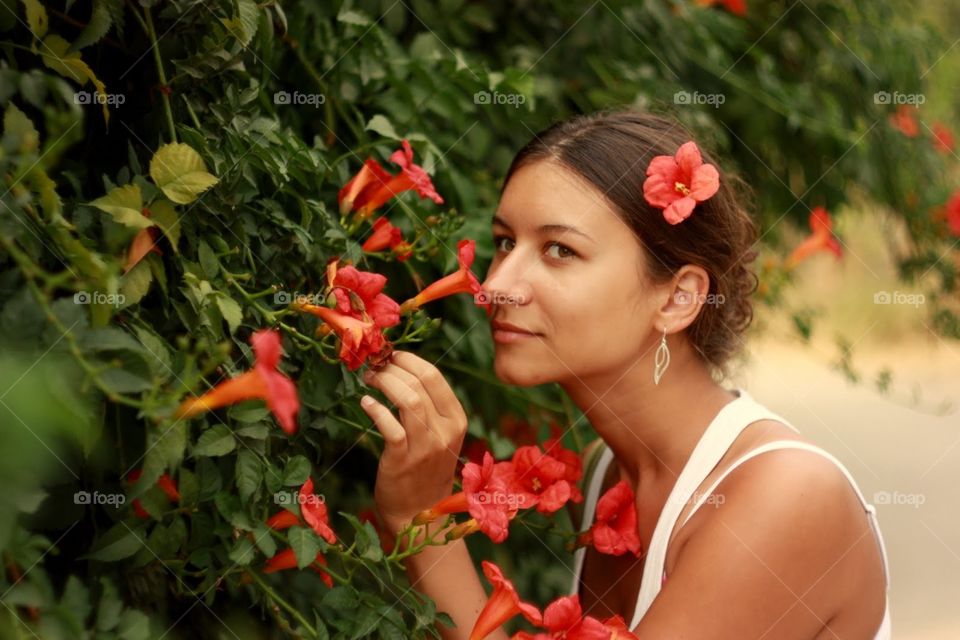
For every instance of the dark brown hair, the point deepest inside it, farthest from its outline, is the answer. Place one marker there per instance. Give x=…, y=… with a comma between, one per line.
x=611, y=151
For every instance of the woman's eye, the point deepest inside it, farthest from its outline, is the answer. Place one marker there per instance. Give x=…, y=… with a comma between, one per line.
x=562, y=249
x=497, y=240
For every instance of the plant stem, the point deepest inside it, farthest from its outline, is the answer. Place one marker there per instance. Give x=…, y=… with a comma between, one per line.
x=151, y=32
x=273, y=595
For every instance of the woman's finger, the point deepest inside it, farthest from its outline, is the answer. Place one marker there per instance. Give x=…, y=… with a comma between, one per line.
x=414, y=405
x=389, y=427
x=444, y=399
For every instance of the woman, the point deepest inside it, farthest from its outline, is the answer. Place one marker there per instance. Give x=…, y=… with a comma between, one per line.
x=622, y=272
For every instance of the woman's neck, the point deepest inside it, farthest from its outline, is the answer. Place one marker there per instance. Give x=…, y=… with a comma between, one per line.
x=651, y=429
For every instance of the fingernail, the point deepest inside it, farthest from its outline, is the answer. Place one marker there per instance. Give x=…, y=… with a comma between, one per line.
x=366, y=401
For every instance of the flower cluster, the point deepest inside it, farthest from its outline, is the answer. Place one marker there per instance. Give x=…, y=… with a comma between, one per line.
x=561, y=619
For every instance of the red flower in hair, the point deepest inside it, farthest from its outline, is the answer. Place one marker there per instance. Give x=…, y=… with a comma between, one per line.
x=677, y=183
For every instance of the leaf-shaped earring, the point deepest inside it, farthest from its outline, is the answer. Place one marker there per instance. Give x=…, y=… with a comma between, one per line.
x=661, y=358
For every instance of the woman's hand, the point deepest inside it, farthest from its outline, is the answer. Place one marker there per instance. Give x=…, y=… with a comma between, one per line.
x=420, y=457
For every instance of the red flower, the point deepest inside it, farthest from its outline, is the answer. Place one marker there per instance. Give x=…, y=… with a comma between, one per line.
x=942, y=138
x=372, y=187
x=614, y=530
x=359, y=190
x=283, y=520
x=904, y=120
x=487, y=495
x=360, y=294
x=564, y=619
x=386, y=235
x=677, y=183
x=953, y=214
x=286, y=559
x=738, y=7
x=460, y=281
x=359, y=340
x=164, y=482
x=503, y=604
x=314, y=510
x=543, y=480
x=263, y=382
x=820, y=239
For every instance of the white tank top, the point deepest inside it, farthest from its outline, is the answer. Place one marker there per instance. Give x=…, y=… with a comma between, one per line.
x=732, y=419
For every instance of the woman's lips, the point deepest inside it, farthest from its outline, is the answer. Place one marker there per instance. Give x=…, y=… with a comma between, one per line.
x=506, y=336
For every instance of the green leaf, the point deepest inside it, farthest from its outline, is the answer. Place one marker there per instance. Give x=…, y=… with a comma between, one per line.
x=19, y=133
x=36, y=17
x=351, y=16
x=380, y=124
x=215, y=441
x=180, y=172
x=122, y=381
x=108, y=339
x=116, y=544
x=249, y=472
x=244, y=25
x=108, y=611
x=134, y=625
x=136, y=283
x=243, y=551
x=125, y=205
x=305, y=545
x=231, y=311
x=97, y=26
x=164, y=451
x=166, y=217
x=296, y=472
x=208, y=260
x=264, y=540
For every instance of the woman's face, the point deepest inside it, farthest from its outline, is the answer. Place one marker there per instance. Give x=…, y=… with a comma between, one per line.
x=566, y=268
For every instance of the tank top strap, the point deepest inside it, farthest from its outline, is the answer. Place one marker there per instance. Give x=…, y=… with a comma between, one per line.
x=793, y=444
x=729, y=422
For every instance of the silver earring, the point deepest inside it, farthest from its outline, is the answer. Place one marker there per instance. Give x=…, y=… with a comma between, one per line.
x=661, y=359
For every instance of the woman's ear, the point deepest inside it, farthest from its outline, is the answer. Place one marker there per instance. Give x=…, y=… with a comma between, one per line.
x=684, y=296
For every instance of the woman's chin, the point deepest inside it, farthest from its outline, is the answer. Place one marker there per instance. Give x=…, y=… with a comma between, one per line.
x=518, y=372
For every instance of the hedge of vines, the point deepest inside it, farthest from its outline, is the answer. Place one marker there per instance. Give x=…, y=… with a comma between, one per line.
x=232, y=198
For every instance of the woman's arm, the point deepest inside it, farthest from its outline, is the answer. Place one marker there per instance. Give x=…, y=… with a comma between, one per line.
x=416, y=471
x=447, y=574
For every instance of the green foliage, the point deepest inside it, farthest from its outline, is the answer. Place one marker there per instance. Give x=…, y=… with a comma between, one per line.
x=227, y=128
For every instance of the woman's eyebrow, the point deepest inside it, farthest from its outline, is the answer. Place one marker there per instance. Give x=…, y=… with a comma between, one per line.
x=546, y=228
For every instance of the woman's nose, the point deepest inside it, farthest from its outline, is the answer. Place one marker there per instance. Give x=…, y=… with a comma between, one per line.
x=506, y=283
